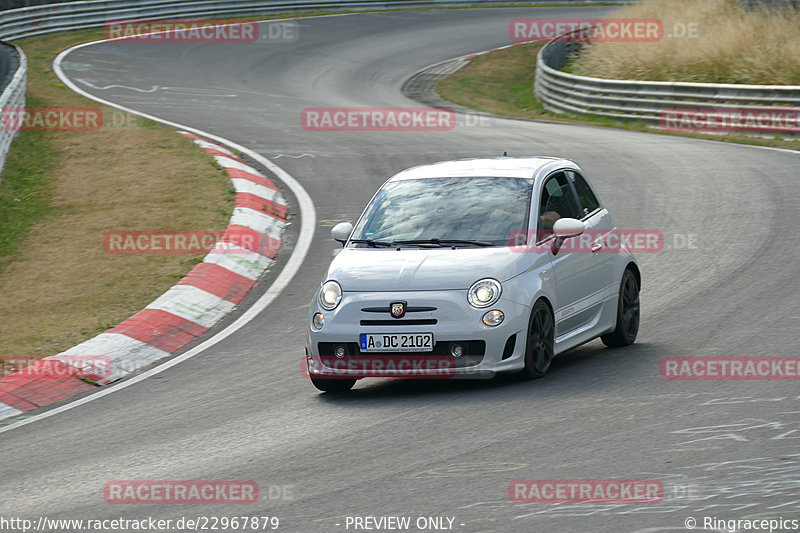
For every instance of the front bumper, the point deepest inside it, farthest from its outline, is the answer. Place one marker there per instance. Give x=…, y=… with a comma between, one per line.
x=447, y=315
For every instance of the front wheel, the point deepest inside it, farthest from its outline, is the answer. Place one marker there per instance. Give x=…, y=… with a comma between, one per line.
x=539, y=348
x=333, y=385
x=627, y=313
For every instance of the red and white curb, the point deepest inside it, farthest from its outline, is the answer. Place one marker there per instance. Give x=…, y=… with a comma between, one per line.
x=179, y=316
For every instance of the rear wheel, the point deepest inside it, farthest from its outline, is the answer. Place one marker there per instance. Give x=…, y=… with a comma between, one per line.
x=333, y=385
x=541, y=335
x=627, y=313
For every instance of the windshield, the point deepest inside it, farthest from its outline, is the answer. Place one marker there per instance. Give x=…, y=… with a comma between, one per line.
x=447, y=209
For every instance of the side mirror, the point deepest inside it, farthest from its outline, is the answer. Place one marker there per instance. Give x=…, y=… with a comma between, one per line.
x=568, y=227
x=341, y=231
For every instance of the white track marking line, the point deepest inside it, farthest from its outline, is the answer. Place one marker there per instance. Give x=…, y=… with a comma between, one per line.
x=308, y=221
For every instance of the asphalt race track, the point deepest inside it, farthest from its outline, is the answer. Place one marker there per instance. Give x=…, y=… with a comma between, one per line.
x=242, y=409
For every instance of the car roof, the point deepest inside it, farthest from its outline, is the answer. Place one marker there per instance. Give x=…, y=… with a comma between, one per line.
x=500, y=167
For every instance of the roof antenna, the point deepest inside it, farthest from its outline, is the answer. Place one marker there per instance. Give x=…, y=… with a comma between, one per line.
x=505, y=154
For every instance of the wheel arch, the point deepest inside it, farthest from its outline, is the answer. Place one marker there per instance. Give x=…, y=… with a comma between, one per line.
x=547, y=302
x=633, y=267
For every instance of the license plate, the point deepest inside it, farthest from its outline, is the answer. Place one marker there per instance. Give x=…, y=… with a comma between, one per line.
x=396, y=342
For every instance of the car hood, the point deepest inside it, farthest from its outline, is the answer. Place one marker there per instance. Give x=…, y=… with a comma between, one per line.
x=367, y=269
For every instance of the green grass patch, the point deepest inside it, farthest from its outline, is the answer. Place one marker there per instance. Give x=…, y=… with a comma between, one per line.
x=25, y=187
x=60, y=191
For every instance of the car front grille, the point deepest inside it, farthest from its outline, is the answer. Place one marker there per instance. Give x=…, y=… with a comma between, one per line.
x=401, y=322
x=409, y=309
x=473, y=354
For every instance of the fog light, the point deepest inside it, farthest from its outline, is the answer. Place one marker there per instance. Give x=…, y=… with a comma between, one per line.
x=456, y=350
x=494, y=317
x=319, y=321
x=340, y=351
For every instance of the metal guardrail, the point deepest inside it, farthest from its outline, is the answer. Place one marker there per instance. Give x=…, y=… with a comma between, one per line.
x=38, y=20
x=643, y=100
x=41, y=17
x=13, y=77
x=559, y=91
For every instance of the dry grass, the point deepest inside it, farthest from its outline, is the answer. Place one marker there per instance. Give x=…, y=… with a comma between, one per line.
x=736, y=45
x=501, y=82
x=60, y=287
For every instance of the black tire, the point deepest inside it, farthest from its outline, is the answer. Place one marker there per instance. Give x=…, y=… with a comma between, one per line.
x=627, y=313
x=539, y=345
x=333, y=385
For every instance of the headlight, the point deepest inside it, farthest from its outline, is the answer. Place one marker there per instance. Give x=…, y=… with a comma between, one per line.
x=484, y=293
x=330, y=295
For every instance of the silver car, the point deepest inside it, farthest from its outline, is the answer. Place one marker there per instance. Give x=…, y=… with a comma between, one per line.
x=469, y=268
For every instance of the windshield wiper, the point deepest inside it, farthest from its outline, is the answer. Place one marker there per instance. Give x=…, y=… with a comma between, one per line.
x=372, y=243
x=445, y=242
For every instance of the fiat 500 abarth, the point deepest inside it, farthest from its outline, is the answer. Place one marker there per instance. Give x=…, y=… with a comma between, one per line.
x=470, y=268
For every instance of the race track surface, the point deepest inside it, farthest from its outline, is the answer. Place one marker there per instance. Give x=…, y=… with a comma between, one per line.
x=242, y=410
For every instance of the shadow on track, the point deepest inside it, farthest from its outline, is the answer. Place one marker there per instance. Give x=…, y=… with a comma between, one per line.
x=584, y=370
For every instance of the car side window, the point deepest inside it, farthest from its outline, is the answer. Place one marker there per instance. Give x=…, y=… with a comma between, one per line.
x=557, y=201
x=587, y=198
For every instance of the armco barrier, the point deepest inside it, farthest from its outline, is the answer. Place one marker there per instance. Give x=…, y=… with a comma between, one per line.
x=642, y=100
x=49, y=17
x=38, y=20
x=13, y=73
x=559, y=91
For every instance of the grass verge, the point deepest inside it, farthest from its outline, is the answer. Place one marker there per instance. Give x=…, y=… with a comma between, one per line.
x=730, y=43
x=62, y=190
x=24, y=195
x=501, y=82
